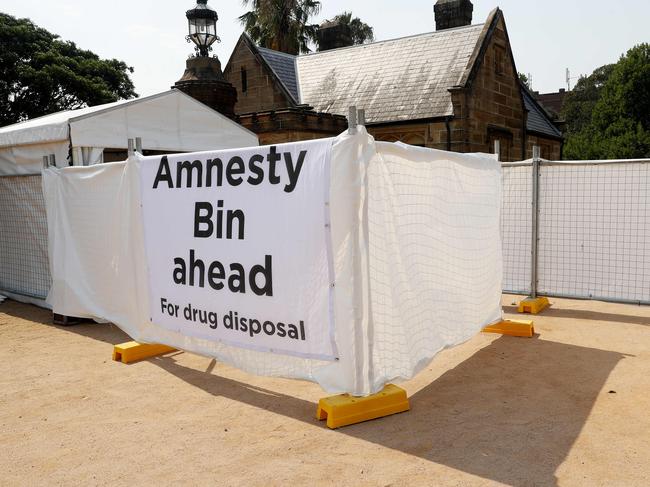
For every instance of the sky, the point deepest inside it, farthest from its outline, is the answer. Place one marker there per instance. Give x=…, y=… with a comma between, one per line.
x=547, y=36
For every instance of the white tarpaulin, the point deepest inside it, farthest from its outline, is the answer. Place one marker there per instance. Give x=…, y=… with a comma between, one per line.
x=415, y=257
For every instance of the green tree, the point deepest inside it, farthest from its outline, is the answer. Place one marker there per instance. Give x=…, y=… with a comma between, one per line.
x=282, y=25
x=41, y=74
x=524, y=79
x=580, y=102
x=361, y=32
x=609, y=118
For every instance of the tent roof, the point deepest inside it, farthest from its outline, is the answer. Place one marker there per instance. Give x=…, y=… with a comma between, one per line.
x=57, y=126
x=49, y=128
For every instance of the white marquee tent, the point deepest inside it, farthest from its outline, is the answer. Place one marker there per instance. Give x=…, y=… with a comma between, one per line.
x=167, y=122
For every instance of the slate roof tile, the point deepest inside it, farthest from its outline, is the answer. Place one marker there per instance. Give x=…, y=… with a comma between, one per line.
x=538, y=121
x=393, y=80
x=284, y=67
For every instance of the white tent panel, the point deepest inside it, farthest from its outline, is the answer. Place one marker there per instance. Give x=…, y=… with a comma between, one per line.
x=28, y=159
x=170, y=121
x=49, y=128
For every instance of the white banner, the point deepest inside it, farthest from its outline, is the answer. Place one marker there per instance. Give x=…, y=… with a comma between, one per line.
x=238, y=247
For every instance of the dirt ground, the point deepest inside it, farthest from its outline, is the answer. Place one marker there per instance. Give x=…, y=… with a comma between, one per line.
x=570, y=407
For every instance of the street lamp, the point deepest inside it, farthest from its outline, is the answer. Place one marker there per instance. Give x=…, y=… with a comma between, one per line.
x=202, y=23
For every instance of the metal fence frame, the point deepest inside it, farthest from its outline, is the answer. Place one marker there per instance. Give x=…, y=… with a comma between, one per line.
x=537, y=165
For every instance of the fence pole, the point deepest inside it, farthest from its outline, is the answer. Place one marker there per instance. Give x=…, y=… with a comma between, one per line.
x=352, y=120
x=46, y=162
x=361, y=115
x=138, y=144
x=130, y=150
x=535, y=223
x=497, y=149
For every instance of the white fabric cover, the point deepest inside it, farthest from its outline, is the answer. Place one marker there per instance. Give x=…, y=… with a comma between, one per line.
x=171, y=121
x=20, y=160
x=416, y=246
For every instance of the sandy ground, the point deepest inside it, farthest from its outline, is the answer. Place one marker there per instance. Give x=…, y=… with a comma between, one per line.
x=570, y=407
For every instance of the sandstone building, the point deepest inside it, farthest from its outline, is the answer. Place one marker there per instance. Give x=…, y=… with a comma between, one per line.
x=454, y=89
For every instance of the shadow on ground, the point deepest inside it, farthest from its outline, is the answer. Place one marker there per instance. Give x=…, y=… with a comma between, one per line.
x=510, y=413
x=581, y=314
x=107, y=333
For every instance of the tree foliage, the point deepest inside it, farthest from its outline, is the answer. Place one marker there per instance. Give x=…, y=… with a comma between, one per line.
x=525, y=80
x=608, y=113
x=41, y=74
x=581, y=101
x=361, y=32
x=281, y=25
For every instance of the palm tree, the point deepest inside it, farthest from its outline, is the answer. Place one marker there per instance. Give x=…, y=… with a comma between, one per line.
x=281, y=25
x=361, y=32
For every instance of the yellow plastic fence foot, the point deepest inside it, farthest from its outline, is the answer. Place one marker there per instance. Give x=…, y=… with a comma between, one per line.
x=343, y=410
x=133, y=351
x=533, y=305
x=515, y=328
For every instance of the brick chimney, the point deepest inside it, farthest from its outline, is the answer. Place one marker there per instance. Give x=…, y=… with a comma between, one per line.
x=453, y=13
x=332, y=35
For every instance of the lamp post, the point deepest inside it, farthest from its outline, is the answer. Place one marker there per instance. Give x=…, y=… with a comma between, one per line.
x=202, y=27
x=203, y=79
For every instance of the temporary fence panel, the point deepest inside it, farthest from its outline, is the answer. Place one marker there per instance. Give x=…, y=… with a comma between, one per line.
x=594, y=230
x=414, y=263
x=24, y=268
x=434, y=253
x=516, y=226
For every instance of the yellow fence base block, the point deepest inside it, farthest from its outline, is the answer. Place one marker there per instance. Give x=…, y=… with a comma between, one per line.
x=133, y=351
x=515, y=328
x=343, y=410
x=533, y=305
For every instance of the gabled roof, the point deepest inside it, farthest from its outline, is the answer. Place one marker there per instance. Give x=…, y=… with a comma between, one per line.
x=394, y=80
x=538, y=120
x=280, y=66
x=284, y=67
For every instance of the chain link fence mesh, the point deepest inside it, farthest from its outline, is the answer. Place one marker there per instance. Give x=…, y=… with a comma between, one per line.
x=24, y=267
x=594, y=231
x=516, y=227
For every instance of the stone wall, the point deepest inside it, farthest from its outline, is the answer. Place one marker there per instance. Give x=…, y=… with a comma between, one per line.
x=433, y=135
x=551, y=149
x=292, y=125
x=491, y=108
